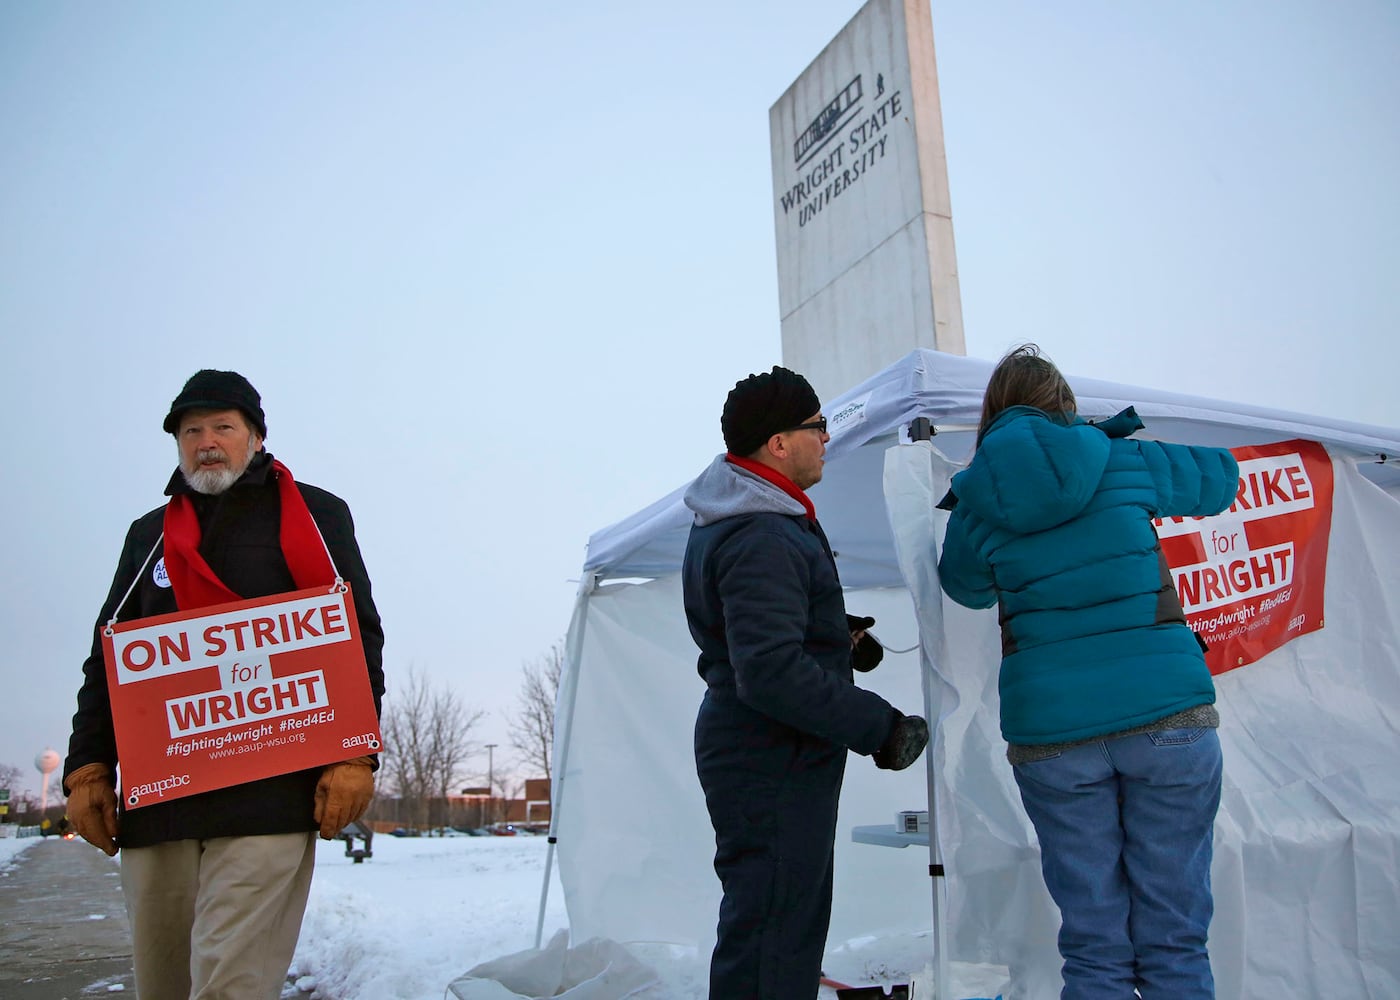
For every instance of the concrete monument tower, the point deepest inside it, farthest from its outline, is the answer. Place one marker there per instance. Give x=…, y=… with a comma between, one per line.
x=866, y=265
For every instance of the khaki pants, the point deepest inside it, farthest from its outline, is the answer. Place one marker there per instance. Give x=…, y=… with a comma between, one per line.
x=216, y=919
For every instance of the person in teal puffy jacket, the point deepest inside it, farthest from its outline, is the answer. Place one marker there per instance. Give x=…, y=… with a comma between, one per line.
x=1107, y=705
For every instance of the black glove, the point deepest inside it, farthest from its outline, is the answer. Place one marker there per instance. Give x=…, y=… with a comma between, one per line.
x=867, y=653
x=902, y=746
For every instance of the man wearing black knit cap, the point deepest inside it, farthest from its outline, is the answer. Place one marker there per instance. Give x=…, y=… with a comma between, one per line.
x=216, y=883
x=780, y=711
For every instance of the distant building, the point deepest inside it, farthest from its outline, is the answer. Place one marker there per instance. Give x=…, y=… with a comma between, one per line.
x=474, y=808
x=534, y=807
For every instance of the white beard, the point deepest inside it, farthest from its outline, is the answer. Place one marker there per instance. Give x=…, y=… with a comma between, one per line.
x=211, y=481
x=215, y=481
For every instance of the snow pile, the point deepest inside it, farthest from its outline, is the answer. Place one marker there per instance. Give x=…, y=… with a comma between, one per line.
x=10, y=848
x=421, y=912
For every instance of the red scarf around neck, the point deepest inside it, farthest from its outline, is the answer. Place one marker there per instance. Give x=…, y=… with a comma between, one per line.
x=195, y=583
x=776, y=478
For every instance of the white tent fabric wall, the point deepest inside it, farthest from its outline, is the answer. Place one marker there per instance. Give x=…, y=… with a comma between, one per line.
x=635, y=843
x=1309, y=832
x=1308, y=842
x=1309, y=828
x=998, y=908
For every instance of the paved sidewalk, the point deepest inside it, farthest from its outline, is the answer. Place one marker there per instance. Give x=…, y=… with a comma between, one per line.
x=64, y=934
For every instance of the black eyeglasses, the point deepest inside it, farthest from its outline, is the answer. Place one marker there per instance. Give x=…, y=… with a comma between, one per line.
x=816, y=425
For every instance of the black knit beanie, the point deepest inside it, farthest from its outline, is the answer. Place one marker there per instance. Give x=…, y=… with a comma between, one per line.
x=208, y=389
x=762, y=405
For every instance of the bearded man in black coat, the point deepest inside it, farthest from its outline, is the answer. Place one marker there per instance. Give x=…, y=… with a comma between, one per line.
x=216, y=883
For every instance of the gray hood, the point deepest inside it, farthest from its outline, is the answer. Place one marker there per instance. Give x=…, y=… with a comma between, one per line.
x=725, y=490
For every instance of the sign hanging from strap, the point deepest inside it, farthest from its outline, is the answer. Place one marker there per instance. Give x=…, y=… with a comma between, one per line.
x=238, y=691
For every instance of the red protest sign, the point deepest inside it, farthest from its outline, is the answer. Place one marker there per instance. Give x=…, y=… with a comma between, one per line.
x=236, y=692
x=1252, y=579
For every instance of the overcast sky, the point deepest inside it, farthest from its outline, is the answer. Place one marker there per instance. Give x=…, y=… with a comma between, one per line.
x=494, y=267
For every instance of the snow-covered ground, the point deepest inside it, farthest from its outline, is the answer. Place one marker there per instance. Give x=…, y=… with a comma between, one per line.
x=10, y=847
x=422, y=911
x=419, y=913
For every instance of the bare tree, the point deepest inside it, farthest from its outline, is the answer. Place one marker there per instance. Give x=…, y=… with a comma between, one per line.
x=450, y=726
x=403, y=725
x=11, y=777
x=427, y=740
x=24, y=802
x=532, y=725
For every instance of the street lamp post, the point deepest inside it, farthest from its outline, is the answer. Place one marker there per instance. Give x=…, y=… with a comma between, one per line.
x=491, y=779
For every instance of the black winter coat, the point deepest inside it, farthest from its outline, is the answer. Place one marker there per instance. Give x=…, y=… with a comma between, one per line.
x=240, y=541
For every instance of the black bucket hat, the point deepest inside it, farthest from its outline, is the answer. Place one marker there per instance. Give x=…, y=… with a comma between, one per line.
x=208, y=389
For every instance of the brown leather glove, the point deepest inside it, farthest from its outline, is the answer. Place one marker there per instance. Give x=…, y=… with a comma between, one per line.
x=92, y=806
x=343, y=794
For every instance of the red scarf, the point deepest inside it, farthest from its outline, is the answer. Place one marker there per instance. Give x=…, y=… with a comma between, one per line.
x=777, y=479
x=194, y=582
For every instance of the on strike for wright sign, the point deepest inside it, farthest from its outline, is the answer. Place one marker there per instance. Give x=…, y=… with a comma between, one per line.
x=236, y=692
x=1252, y=578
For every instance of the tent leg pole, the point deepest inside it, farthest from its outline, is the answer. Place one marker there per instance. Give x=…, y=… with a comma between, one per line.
x=573, y=661
x=910, y=470
x=938, y=883
x=544, y=890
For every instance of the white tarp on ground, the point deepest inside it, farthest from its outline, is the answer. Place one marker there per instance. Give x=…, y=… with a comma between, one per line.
x=594, y=970
x=1308, y=839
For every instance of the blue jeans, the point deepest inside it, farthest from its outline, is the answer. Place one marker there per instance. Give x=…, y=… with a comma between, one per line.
x=1125, y=844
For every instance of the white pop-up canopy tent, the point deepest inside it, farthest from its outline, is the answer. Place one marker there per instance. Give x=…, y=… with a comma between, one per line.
x=1308, y=836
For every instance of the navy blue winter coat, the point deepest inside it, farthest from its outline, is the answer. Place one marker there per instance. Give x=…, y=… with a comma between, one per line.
x=764, y=605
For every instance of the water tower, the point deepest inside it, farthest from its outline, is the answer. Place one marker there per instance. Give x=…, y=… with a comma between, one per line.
x=46, y=763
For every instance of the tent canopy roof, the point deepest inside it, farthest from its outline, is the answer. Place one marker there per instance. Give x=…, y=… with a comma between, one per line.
x=946, y=389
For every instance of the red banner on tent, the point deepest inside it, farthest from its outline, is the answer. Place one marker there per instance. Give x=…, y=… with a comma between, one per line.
x=236, y=692
x=1252, y=579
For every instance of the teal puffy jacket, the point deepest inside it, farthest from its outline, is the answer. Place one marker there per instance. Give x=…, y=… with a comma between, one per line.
x=1052, y=521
